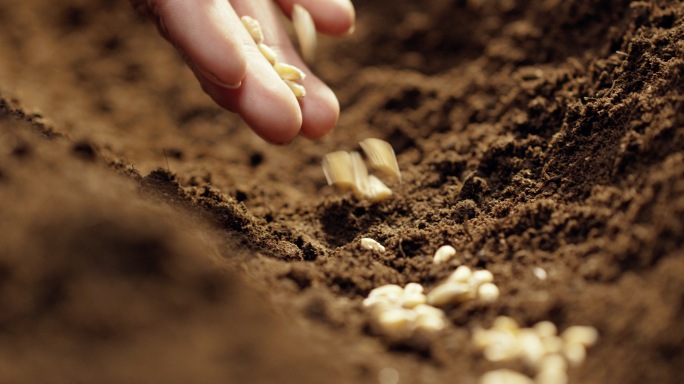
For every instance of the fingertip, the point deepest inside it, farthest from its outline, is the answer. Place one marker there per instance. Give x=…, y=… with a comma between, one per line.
x=276, y=119
x=320, y=114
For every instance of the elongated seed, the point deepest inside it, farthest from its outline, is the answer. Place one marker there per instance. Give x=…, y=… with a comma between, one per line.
x=254, y=28
x=377, y=190
x=579, y=334
x=488, y=292
x=268, y=53
x=298, y=89
x=337, y=167
x=372, y=245
x=480, y=277
x=461, y=275
x=449, y=293
x=381, y=156
x=443, y=254
x=289, y=72
x=305, y=29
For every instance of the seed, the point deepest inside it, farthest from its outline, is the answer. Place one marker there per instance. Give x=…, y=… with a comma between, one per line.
x=371, y=245
x=429, y=318
x=505, y=323
x=413, y=288
x=578, y=334
x=254, y=28
x=504, y=376
x=337, y=167
x=503, y=346
x=531, y=347
x=377, y=190
x=461, y=275
x=545, y=329
x=551, y=377
x=298, y=89
x=289, y=72
x=388, y=290
x=481, y=277
x=360, y=173
x=540, y=273
x=443, y=254
x=449, y=293
x=553, y=344
x=268, y=53
x=574, y=353
x=412, y=300
x=488, y=292
x=395, y=319
x=381, y=156
x=305, y=29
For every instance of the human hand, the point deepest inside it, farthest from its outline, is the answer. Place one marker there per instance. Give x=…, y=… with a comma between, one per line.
x=231, y=69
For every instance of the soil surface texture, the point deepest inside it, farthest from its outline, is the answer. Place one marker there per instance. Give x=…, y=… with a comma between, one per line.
x=148, y=236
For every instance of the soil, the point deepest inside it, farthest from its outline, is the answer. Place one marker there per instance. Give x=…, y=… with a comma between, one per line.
x=148, y=236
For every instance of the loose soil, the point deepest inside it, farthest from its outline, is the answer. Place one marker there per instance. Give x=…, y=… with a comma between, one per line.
x=148, y=236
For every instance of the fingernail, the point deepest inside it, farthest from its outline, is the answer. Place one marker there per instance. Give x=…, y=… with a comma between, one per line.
x=214, y=79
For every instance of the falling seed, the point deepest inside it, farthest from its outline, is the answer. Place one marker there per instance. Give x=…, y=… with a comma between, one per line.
x=449, y=293
x=443, y=254
x=289, y=72
x=268, y=53
x=371, y=245
x=488, y=292
x=305, y=29
x=360, y=173
x=254, y=28
x=337, y=167
x=461, y=275
x=377, y=190
x=381, y=156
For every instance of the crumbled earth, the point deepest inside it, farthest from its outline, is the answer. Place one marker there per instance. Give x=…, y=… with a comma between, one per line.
x=148, y=236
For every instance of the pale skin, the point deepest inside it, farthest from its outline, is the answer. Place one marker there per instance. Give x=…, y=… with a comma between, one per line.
x=232, y=71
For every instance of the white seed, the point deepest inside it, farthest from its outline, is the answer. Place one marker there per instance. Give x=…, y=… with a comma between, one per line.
x=545, y=329
x=481, y=338
x=289, y=72
x=443, y=254
x=540, y=273
x=553, y=344
x=377, y=190
x=505, y=323
x=412, y=300
x=461, y=275
x=449, y=293
x=579, y=334
x=268, y=53
x=360, y=173
x=254, y=28
x=531, y=347
x=488, y=292
x=381, y=156
x=371, y=245
x=429, y=318
x=551, y=377
x=337, y=167
x=503, y=346
x=553, y=362
x=395, y=320
x=298, y=89
x=574, y=353
x=392, y=291
x=480, y=277
x=504, y=376
x=413, y=288
x=305, y=29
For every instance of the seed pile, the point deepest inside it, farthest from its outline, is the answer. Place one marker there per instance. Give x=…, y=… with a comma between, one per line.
x=539, y=347
x=398, y=312
x=347, y=170
x=291, y=75
x=463, y=285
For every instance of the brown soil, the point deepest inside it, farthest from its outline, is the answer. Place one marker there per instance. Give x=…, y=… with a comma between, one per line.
x=148, y=236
